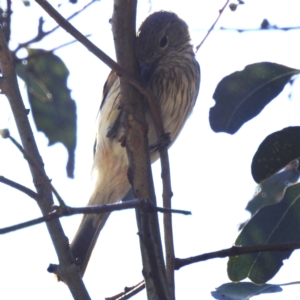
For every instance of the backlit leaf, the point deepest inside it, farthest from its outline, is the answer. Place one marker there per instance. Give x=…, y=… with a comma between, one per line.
x=243, y=290
x=272, y=190
x=272, y=224
x=53, y=110
x=242, y=95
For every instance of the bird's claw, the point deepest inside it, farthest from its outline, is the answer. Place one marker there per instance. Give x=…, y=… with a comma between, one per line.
x=163, y=142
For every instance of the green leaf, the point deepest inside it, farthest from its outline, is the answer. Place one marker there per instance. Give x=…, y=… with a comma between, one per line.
x=242, y=95
x=272, y=190
x=273, y=224
x=243, y=290
x=275, y=152
x=53, y=110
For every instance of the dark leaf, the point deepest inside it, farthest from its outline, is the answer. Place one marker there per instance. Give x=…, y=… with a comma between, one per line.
x=242, y=95
x=243, y=290
x=275, y=152
x=52, y=107
x=273, y=224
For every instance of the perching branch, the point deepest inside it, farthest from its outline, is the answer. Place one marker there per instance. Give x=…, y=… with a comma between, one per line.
x=168, y=227
x=233, y=251
x=66, y=211
x=136, y=142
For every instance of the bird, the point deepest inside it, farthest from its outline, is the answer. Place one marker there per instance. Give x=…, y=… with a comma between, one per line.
x=169, y=68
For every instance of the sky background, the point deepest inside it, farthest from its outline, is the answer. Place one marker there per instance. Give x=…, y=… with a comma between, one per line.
x=210, y=172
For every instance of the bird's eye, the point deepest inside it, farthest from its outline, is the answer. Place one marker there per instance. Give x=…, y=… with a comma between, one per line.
x=163, y=41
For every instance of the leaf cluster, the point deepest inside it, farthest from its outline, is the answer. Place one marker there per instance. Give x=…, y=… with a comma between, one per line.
x=240, y=97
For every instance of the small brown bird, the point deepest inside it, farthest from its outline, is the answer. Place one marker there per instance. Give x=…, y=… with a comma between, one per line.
x=168, y=66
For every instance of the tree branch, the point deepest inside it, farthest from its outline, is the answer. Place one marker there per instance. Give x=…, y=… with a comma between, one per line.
x=136, y=142
x=168, y=228
x=20, y=187
x=9, y=87
x=66, y=211
x=34, y=165
x=233, y=251
x=128, y=292
x=7, y=18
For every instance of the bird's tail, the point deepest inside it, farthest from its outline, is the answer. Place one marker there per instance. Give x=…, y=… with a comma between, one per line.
x=86, y=238
x=109, y=181
x=110, y=186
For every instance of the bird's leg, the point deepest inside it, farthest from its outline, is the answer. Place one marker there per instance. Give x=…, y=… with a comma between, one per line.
x=162, y=142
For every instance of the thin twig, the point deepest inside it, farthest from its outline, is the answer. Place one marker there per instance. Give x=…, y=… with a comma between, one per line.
x=66, y=44
x=38, y=169
x=42, y=34
x=233, y=251
x=213, y=25
x=20, y=188
x=132, y=291
x=66, y=211
x=171, y=210
x=81, y=10
x=81, y=38
x=45, y=52
x=274, y=27
x=129, y=292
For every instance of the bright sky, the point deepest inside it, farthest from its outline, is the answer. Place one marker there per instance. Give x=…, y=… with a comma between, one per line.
x=210, y=172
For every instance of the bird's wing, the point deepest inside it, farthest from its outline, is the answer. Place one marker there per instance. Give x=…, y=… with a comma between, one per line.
x=111, y=79
x=110, y=107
